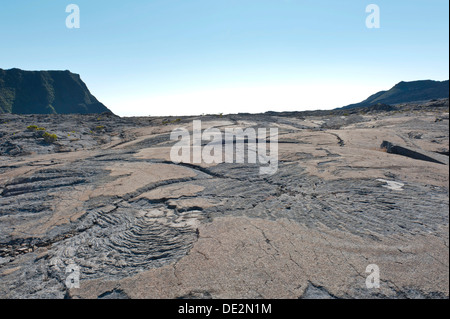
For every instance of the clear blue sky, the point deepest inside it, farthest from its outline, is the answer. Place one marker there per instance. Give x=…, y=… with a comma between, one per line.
x=162, y=57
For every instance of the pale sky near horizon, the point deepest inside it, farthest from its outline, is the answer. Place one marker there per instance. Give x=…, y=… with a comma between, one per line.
x=185, y=57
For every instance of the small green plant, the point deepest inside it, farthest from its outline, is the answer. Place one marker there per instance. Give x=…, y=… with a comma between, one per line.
x=165, y=122
x=35, y=128
x=99, y=128
x=50, y=138
x=32, y=128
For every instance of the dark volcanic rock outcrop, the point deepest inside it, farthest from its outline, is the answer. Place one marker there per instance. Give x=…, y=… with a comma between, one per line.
x=46, y=92
x=400, y=150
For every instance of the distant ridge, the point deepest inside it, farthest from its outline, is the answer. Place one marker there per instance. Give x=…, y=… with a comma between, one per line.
x=46, y=92
x=404, y=92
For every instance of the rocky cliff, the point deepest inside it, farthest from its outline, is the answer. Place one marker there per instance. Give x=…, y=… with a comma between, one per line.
x=404, y=92
x=46, y=92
